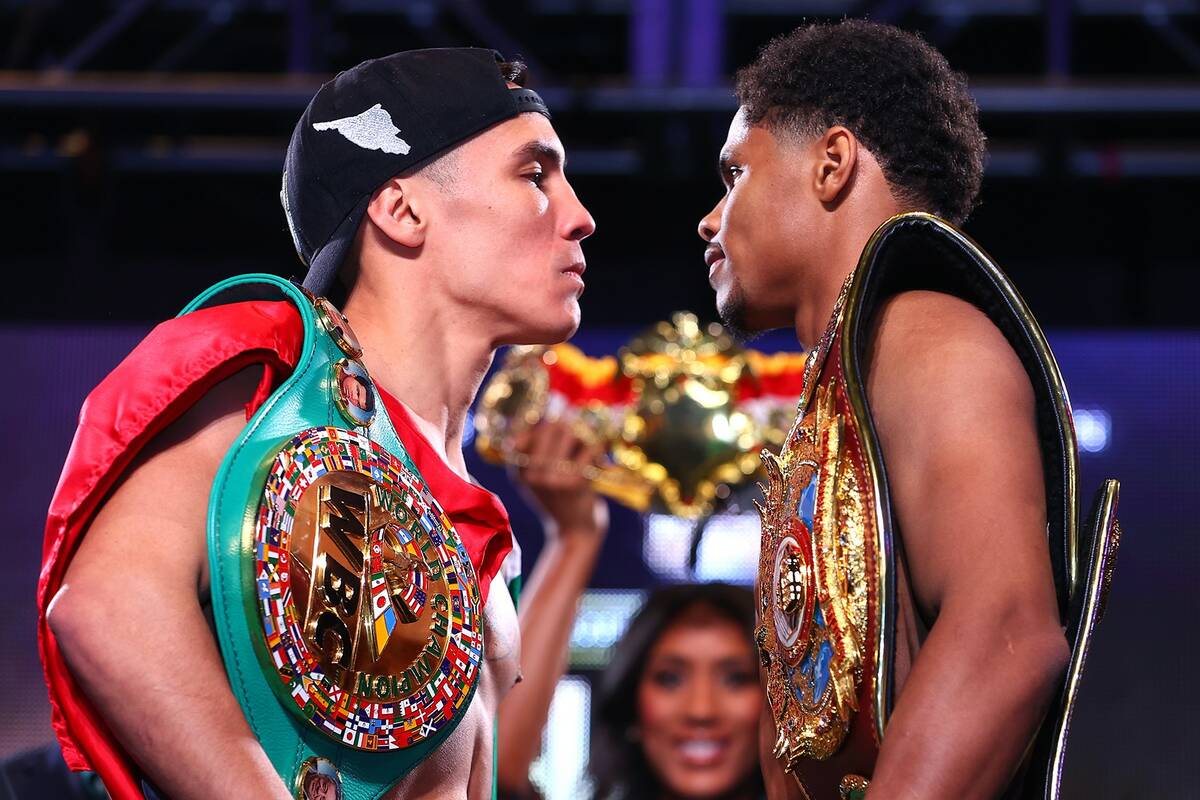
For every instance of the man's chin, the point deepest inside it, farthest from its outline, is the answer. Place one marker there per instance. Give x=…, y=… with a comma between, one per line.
x=734, y=315
x=548, y=334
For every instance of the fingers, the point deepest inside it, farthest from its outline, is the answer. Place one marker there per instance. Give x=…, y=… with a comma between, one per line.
x=553, y=441
x=556, y=458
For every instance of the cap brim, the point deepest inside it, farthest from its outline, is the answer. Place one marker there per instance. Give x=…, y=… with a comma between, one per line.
x=325, y=263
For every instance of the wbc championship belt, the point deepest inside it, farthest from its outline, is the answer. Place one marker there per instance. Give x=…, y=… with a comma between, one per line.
x=347, y=609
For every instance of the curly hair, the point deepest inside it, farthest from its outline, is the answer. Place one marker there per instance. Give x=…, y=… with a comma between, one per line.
x=894, y=91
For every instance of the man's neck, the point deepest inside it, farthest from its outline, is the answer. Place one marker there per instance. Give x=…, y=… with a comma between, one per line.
x=849, y=238
x=426, y=356
x=812, y=315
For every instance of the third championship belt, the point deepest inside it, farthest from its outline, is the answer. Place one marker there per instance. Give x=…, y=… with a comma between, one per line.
x=682, y=411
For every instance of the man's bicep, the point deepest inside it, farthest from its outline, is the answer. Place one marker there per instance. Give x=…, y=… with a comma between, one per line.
x=147, y=532
x=958, y=431
x=151, y=529
x=129, y=614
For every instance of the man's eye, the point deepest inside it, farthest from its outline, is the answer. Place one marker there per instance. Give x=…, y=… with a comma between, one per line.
x=729, y=176
x=536, y=178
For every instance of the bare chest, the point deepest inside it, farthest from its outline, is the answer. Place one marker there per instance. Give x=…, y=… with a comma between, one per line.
x=462, y=766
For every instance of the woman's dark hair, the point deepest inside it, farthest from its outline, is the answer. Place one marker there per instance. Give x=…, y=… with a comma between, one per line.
x=618, y=764
x=896, y=93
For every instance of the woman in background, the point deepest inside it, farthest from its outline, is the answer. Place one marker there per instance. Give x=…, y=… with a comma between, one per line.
x=676, y=713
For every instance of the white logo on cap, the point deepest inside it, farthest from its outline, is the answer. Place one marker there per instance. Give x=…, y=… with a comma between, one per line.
x=373, y=129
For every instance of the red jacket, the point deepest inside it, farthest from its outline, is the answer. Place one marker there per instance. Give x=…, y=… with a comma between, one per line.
x=163, y=377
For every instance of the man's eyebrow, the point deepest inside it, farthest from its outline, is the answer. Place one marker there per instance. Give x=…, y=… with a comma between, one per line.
x=538, y=150
x=723, y=162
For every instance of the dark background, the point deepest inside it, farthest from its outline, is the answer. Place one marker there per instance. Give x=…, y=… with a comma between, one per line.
x=141, y=147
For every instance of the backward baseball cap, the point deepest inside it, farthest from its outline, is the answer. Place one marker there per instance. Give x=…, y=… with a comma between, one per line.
x=377, y=120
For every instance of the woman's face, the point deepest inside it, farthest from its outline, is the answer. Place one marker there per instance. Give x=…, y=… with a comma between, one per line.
x=699, y=706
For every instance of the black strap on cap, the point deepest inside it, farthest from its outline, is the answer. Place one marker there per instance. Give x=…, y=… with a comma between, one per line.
x=529, y=100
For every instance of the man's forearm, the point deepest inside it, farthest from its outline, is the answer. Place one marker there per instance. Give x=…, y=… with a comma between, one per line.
x=969, y=709
x=162, y=690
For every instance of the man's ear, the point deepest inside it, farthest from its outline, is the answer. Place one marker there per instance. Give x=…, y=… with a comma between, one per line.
x=394, y=208
x=837, y=159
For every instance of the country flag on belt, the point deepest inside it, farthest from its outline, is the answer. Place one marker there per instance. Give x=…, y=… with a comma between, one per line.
x=414, y=593
x=383, y=613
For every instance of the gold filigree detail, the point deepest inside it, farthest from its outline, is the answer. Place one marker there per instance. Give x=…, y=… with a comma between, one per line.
x=811, y=726
x=844, y=667
x=853, y=787
x=852, y=545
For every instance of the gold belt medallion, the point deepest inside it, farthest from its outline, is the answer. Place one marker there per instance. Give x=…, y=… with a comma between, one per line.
x=366, y=597
x=811, y=588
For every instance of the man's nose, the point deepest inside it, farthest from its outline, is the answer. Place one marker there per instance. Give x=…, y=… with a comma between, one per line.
x=580, y=224
x=710, y=224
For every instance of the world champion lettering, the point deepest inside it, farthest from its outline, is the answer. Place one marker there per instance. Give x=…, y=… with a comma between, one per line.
x=384, y=687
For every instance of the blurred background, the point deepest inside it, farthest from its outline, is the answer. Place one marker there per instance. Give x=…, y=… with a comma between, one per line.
x=141, y=147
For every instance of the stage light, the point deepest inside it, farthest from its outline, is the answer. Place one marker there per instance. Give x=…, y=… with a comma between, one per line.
x=560, y=772
x=728, y=549
x=1093, y=429
x=665, y=548
x=601, y=620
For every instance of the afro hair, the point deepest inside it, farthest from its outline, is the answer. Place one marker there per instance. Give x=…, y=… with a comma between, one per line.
x=894, y=91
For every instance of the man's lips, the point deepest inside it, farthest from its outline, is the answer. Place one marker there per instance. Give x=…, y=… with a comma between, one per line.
x=574, y=272
x=714, y=257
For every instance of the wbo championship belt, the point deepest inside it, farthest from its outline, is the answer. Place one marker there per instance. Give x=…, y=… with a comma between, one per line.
x=347, y=609
x=829, y=561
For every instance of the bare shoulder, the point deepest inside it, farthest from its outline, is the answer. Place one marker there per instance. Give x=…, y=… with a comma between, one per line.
x=154, y=520
x=933, y=351
x=955, y=414
x=927, y=325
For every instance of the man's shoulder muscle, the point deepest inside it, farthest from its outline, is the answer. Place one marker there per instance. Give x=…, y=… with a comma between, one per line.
x=155, y=516
x=937, y=363
x=955, y=413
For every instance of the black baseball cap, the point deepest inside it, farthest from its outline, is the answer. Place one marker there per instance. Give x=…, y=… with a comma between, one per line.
x=377, y=120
